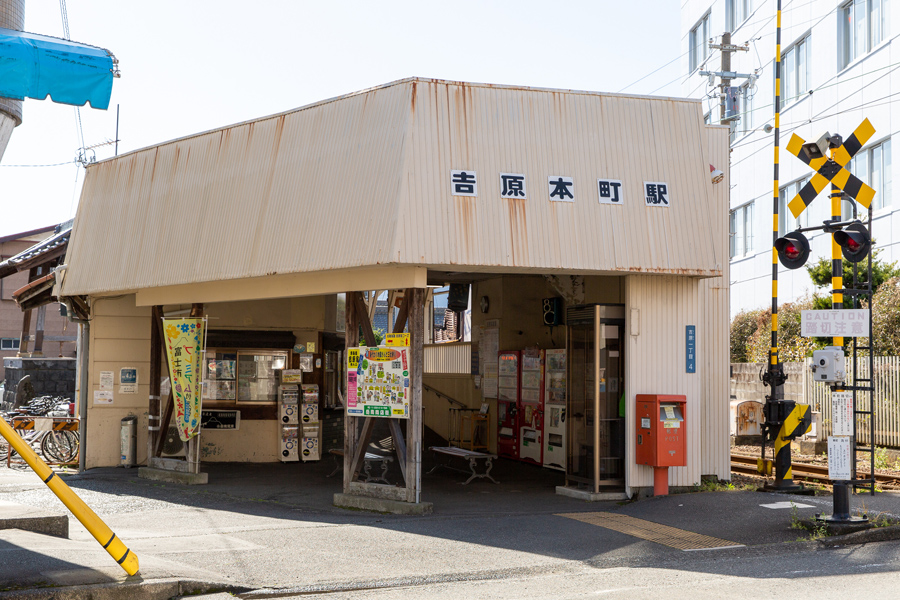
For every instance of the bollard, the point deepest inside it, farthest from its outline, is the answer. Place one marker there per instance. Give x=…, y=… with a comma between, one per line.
x=127, y=559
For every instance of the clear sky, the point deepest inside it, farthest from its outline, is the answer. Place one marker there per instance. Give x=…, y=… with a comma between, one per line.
x=192, y=65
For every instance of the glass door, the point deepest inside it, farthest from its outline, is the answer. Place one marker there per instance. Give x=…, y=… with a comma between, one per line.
x=595, y=444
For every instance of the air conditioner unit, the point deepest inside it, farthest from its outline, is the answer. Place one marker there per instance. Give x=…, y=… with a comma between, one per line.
x=172, y=447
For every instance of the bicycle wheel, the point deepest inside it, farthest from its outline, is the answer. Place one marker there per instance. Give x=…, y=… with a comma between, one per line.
x=60, y=446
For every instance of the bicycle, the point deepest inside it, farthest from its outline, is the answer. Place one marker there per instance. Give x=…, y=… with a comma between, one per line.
x=56, y=446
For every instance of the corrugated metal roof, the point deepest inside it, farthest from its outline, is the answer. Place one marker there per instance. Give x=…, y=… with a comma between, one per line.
x=364, y=180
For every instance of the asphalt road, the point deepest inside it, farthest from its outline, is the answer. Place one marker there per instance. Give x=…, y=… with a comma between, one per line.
x=272, y=530
x=804, y=571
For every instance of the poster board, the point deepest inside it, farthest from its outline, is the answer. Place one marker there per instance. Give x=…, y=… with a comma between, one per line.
x=488, y=348
x=378, y=381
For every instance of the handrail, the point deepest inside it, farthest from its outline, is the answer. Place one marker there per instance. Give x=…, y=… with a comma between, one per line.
x=440, y=394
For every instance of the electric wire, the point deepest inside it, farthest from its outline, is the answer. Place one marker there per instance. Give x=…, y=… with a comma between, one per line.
x=68, y=162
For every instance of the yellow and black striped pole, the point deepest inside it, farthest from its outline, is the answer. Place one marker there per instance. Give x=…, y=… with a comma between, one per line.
x=773, y=351
x=787, y=417
x=837, y=263
x=127, y=559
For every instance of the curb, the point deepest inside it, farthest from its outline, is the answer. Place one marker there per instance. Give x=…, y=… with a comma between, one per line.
x=151, y=589
x=873, y=534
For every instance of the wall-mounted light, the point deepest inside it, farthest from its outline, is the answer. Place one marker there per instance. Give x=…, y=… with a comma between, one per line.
x=715, y=174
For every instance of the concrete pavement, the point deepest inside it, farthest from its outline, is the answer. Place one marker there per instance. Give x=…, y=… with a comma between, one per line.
x=270, y=529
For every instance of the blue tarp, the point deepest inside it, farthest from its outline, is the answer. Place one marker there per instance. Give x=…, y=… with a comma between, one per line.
x=36, y=66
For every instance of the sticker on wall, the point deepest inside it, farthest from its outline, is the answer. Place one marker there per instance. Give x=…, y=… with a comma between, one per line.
x=103, y=396
x=128, y=380
x=656, y=193
x=463, y=183
x=107, y=379
x=610, y=191
x=512, y=185
x=562, y=189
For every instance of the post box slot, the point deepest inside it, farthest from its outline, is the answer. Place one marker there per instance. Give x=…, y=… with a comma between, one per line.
x=671, y=416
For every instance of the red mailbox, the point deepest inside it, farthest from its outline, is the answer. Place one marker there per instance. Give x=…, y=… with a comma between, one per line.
x=661, y=436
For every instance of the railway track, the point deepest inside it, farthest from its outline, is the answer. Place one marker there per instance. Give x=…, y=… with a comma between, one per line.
x=746, y=465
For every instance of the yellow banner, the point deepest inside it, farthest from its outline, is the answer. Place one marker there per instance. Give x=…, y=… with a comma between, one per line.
x=184, y=346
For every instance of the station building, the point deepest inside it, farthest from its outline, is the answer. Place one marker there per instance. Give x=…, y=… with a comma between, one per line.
x=283, y=231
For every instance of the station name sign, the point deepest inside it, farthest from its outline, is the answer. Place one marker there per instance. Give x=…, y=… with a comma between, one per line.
x=560, y=188
x=849, y=322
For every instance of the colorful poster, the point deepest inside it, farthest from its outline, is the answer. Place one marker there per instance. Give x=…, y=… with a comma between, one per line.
x=378, y=382
x=184, y=347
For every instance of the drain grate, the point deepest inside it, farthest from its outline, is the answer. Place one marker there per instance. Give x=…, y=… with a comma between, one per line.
x=652, y=532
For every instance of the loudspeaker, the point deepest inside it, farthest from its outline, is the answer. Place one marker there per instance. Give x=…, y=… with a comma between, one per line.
x=458, y=297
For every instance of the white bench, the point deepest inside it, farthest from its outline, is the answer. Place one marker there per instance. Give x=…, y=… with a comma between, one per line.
x=470, y=455
x=368, y=460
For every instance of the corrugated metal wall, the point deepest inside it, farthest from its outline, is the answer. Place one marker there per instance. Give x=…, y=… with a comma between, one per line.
x=544, y=133
x=714, y=330
x=308, y=190
x=365, y=180
x=661, y=307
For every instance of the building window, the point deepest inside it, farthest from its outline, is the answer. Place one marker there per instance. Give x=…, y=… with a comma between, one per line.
x=9, y=343
x=736, y=12
x=786, y=220
x=864, y=24
x=698, y=40
x=243, y=376
x=795, y=71
x=742, y=231
x=873, y=166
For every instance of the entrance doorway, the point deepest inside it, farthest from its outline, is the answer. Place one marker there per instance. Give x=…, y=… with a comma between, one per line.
x=596, y=425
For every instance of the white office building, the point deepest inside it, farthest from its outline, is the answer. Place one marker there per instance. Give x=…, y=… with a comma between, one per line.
x=838, y=68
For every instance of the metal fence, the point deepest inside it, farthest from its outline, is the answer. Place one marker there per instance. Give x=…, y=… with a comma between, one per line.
x=886, y=398
x=452, y=358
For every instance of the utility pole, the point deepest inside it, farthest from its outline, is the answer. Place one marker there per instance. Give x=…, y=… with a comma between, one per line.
x=726, y=75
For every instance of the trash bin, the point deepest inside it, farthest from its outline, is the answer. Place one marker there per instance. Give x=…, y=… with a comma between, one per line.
x=129, y=441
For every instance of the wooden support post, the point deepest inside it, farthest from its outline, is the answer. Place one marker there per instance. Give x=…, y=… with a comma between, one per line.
x=156, y=347
x=362, y=317
x=167, y=409
x=39, y=331
x=26, y=332
x=351, y=423
x=414, y=427
x=402, y=315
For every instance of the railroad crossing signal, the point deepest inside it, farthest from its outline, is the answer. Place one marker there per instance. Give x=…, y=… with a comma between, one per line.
x=854, y=242
x=832, y=170
x=793, y=250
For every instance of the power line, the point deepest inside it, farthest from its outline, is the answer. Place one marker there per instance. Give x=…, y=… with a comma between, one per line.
x=37, y=166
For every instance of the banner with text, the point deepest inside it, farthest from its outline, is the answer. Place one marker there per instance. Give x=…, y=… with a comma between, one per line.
x=184, y=346
x=848, y=322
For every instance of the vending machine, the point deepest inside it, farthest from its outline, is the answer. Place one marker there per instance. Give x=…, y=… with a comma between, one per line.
x=530, y=411
x=508, y=403
x=555, y=409
x=309, y=417
x=288, y=411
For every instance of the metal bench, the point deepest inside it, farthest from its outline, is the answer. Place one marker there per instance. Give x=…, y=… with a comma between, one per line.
x=369, y=459
x=470, y=455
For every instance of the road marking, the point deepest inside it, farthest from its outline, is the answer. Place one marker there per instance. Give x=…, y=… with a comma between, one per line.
x=787, y=505
x=652, y=532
